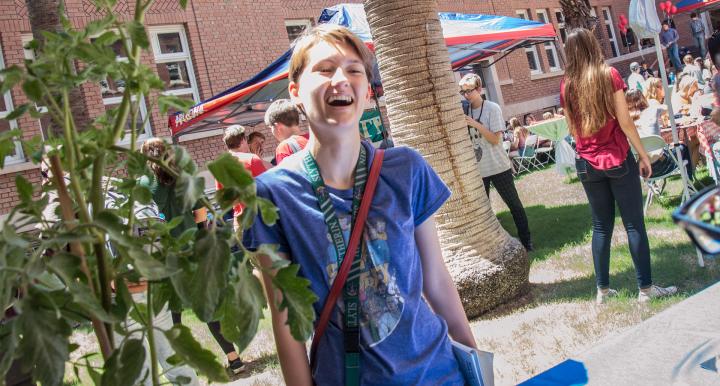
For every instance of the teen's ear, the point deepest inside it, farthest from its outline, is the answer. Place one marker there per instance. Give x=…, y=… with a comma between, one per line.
x=294, y=91
x=368, y=93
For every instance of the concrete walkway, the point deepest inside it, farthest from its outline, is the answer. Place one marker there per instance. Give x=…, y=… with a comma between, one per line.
x=679, y=346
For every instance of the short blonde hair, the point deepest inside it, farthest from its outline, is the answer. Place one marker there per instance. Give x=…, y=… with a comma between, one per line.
x=332, y=34
x=472, y=80
x=688, y=59
x=234, y=136
x=547, y=115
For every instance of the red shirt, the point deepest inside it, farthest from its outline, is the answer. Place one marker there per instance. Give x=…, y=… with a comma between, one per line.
x=609, y=146
x=285, y=148
x=252, y=163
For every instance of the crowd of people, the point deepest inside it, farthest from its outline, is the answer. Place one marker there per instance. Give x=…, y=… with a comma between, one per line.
x=409, y=305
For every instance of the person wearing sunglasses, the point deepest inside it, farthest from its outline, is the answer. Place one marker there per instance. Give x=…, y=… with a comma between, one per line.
x=486, y=127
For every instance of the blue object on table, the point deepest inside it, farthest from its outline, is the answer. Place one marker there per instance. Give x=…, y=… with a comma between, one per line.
x=568, y=373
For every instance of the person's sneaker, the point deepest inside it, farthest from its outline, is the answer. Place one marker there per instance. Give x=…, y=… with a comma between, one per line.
x=236, y=366
x=656, y=292
x=603, y=296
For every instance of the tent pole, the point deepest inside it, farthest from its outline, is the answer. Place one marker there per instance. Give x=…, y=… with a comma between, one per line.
x=671, y=113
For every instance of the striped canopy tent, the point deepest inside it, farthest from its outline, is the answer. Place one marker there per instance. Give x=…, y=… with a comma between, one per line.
x=696, y=5
x=469, y=38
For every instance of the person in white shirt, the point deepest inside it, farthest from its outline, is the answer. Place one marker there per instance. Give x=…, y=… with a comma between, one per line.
x=635, y=81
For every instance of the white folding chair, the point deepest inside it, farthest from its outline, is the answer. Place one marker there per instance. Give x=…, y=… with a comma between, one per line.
x=548, y=150
x=527, y=159
x=656, y=183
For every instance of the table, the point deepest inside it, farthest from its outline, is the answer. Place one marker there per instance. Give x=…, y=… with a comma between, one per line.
x=554, y=129
x=679, y=346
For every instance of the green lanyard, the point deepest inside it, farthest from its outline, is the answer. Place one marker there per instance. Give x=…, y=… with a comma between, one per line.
x=352, y=284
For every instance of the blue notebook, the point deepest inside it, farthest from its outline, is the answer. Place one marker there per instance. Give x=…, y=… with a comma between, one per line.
x=469, y=362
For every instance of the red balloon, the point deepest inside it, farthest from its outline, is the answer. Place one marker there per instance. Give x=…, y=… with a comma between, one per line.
x=622, y=17
x=673, y=10
x=668, y=4
x=663, y=7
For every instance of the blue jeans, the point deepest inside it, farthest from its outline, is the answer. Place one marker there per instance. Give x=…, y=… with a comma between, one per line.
x=700, y=42
x=605, y=188
x=674, y=55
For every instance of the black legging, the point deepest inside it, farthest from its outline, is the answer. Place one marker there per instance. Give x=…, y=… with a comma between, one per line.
x=504, y=183
x=214, y=328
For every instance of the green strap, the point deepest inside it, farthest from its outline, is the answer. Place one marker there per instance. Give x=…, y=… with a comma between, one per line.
x=351, y=288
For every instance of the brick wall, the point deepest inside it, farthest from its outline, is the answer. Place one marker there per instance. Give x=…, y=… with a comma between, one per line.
x=231, y=40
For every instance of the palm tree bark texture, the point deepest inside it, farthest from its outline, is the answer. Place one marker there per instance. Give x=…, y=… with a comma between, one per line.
x=489, y=267
x=44, y=15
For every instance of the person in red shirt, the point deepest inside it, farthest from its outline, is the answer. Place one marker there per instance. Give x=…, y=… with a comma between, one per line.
x=283, y=119
x=592, y=94
x=237, y=144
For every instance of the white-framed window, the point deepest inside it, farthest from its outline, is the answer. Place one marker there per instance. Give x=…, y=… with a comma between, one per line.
x=530, y=52
x=295, y=27
x=6, y=107
x=549, y=47
x=29, y=54
x=173, y=61
x=610, y=29
x=112, y=94
x=560, y=19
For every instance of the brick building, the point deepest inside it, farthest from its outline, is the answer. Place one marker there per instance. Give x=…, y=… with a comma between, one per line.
x=215, y=44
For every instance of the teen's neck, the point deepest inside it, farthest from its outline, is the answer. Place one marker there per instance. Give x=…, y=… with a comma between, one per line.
x=476, y=104
x=336, y=160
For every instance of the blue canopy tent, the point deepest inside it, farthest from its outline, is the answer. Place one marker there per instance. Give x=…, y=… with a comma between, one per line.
x=469, y=38
x=696, y=5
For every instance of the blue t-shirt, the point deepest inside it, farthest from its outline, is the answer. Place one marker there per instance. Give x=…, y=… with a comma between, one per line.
x=402, y=341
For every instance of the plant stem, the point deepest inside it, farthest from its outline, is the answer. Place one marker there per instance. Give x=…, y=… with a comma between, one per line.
x=151, y=337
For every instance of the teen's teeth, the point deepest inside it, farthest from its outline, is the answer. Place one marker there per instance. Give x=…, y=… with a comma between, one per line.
x=340, y=98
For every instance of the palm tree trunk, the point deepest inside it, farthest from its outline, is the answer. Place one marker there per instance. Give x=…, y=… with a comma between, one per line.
x=44, y=15
x=577, y=14
x=488, y=266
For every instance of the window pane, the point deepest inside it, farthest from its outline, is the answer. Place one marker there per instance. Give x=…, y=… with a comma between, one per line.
x=117, y=47
x=170, y=43
x=563, y=35
x=173, y=110
x=606, y=15
x=174, y=74
x=521, y=16
x=140, y=129
x=608, y=29
x=614, y=48
x=541, y=17
x=3, y=106
x=531, y=60
x=551, y=57
x=112, y=88
x=294, y=31
x=559, y=17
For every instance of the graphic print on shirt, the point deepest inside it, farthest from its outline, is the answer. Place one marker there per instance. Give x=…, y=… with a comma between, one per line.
x=475, y=138
x=381, y=304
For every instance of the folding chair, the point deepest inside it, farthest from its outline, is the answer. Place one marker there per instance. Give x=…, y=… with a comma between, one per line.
x=547, y=150
x=656, y=183
x=527, y=158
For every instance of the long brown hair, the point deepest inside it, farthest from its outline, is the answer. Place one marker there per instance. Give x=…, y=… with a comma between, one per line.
x=157, y=148
x=588, y=94
x=636, y=103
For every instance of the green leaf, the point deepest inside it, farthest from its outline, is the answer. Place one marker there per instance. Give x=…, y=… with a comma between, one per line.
x=147, y=266
x=165, y=102
x=209, y=281
x=13, y=239
x=45, y=341
x=242, y=312
x=138, y=34
x=268, y=211
x=17, y=112
x=7, y=144
x=24, y=188
x=230, y=172
x=113, y=224
x=94, y=374
x=9, y=77
x=125, y=365
x=8, y=345
x=33, y=89
x=192, y=353
x=271, y=251
x=142, y=194
x=297, y=299
x=183, y=4
x=189, y=188
x=106, y=39
x=84, y=299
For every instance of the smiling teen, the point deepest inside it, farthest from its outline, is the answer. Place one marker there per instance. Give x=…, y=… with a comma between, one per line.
x=401, y=337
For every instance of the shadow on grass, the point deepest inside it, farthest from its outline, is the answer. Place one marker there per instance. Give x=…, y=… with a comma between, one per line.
x=257, y=366
x=672, y=264
x=552, y=228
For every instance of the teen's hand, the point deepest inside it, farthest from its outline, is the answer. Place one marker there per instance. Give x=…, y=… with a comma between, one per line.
x=645, y=168
x=470, y=121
